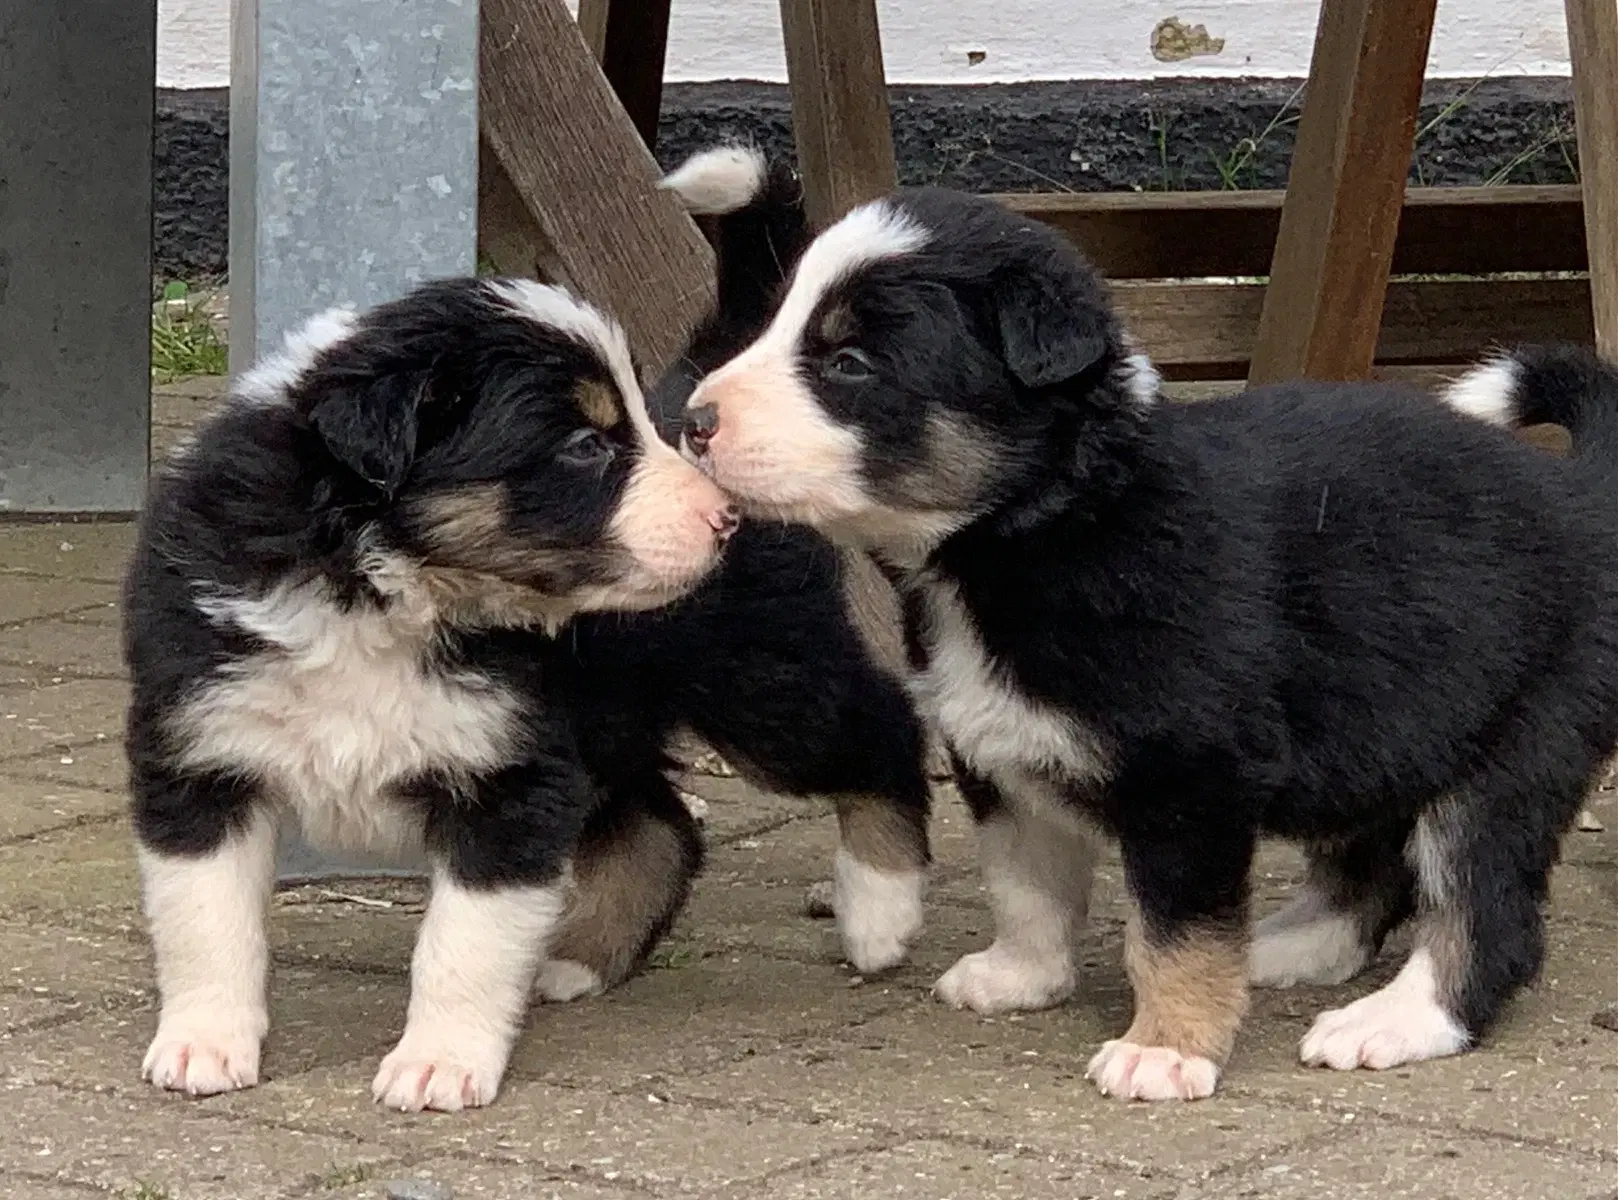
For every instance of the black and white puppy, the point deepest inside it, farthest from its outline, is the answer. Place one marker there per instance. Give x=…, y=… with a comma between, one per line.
x=765, y=660
x=1349, y=616
x=340, y=610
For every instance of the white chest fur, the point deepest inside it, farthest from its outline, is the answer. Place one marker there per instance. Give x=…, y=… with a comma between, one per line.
x=337, y=711
x=998, y=731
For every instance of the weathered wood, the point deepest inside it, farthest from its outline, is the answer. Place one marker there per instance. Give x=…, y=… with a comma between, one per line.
x=630, y=38
x=1346, y=190
x=509, y=239
x=1592, y=31
x=586, y=177
x=1209, y=331
x=1443, y=231
x=839, y=103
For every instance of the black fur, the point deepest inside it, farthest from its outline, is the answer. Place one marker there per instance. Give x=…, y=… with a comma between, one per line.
x=1309, y=611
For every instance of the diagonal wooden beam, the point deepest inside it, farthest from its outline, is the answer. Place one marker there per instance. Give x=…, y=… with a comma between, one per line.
x=1592, y=34
x=1334, y=248
x=575, y=161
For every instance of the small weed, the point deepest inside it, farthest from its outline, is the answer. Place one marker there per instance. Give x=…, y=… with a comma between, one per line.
x=1239, y=158
x=341, y=1177
x=144, y=1189
x=185, y=340
x=1157, y=124
x=671, y=959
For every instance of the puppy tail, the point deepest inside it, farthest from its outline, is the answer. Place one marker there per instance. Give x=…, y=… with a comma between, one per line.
x=1561, y=385
x=757, y=224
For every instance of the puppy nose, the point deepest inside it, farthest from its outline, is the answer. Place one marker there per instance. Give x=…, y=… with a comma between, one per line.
x=725, y=521
x=701, y=423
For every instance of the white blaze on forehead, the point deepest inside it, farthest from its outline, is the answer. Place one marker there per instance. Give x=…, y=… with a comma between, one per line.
x=871, y=233
x=273, y=376
x=557, y=309
x=717, y=181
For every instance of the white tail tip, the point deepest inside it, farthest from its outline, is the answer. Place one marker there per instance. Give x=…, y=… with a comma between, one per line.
x=1487, y=392
x=718, y=181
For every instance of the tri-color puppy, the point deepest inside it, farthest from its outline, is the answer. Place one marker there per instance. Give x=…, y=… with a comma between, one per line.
x=343, y=611
x=1348, y=616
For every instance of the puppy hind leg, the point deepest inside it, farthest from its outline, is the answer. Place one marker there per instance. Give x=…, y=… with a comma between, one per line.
x=206, y=912
x=1482, y=874
x=1356, y=892
x=632, y=873
x=1038, y=863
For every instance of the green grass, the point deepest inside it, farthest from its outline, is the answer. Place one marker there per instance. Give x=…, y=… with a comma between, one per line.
x=185, y=340
x=146, y=1190
x=341, y=1177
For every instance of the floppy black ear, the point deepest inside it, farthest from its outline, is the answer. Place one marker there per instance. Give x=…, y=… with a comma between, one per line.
x=1049, y=333
x=370, y=427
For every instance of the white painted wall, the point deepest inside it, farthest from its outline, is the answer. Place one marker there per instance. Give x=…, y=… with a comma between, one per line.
x=940, y=41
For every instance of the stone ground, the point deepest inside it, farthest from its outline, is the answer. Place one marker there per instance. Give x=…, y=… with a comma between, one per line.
x=747, y=1063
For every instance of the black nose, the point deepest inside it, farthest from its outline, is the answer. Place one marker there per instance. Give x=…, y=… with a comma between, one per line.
x=701, y=423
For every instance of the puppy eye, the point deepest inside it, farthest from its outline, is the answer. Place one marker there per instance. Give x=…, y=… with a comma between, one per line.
x=587, y=448
x=850, y=365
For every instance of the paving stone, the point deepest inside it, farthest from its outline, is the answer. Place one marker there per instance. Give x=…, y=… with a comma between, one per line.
x=690, y=1017
x=26, y=1187
x=110, y=614
x=77, y=877
x=737, y=809
x=57, y=718
x=945, y=1171
x=118, y=1142
x=1391, y=1163
x=471, y=1179
x=30, y=806
x=71, y=550
x=98, y=765
x=630, y=1140
x=29, y=597
x=1572, y=1105
x=23, y=1011
x=922, y=1073
x=63, y=648
x=318, y=1020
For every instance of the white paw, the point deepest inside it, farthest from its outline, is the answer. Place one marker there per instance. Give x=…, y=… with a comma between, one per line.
x=1004, y=978
x=1401, y=1023
x=560, y=980
x=1132, y=1072
x=878, y=912
x=1322, y=949
x=205, y=1056
x=414, y=1077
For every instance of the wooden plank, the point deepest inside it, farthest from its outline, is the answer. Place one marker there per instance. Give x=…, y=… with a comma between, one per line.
x=1210, y=331
x=1592, y=33
x=509, y=239
x=630, y=38
x=586, y=177
x=1443, y=231
x=839, y=104
x=1334, y=248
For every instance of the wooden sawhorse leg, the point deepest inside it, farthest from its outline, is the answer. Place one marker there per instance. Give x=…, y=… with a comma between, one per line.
x=1333, y=252
x=1592, y=32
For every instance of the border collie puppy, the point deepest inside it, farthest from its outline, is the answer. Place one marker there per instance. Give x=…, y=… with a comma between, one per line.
x=341, y=610
x=1345, y=615
x=764, y=661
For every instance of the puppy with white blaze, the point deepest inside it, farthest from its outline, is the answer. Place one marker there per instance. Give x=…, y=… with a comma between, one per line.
x=341, y=611
x=1350, y=616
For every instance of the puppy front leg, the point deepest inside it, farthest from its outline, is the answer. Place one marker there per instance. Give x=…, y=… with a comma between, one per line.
x=1038, y=861
x=1185, y=950
x=475, y=959
x=206, y=915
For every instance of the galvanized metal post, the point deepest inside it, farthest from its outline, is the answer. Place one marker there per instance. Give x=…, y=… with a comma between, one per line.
x=353, y=175
x=353, y=156
x=77, y=89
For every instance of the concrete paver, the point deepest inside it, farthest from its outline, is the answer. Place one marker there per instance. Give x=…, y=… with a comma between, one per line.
x=748, y=1062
